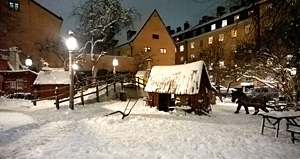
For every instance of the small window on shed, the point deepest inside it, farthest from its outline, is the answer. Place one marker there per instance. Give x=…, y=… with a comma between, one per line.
x=155, y=36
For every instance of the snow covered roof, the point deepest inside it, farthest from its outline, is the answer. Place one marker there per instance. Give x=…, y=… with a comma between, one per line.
x=176, y=79
x=17, y=71
x=52, y=78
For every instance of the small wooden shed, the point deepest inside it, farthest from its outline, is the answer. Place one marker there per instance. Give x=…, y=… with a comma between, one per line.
x=185, y=85
x=48, y=80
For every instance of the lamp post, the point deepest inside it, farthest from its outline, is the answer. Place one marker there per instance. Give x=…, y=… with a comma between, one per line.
x=115, y=64
x=72, y=45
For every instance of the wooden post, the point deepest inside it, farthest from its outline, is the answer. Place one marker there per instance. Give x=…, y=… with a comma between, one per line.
x=122, y=84
x=56, y=98
x=34, y=97
x=115, y=83
x=81, y=96
x=97, y=92
x=138, y=83
x=106, y=87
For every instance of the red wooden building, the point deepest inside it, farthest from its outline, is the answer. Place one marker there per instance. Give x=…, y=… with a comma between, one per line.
x=185, y=85
x=18, y=81
x=48, y=80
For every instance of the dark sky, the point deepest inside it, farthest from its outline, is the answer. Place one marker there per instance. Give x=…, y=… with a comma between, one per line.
x=173, y=12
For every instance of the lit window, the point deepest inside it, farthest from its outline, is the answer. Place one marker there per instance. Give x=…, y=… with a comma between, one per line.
x=224, y=23
x=175, y=49
x=13, y=84
x=147, y=49
x=221, y=37
x=247, y=29
x=210, y=40
x=222, y=63
x=19, y=84
x=201, y=42
x=192, y=45
x=236, y=18
x=234, y=33
x=213, y=27
x=181, y=48
x=155, y=36
x=192, y=56
x=14, y=6
x=163, y=50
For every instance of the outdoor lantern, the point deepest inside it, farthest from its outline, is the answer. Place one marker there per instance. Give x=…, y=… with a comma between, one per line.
x=115, y=63
x=28, y=62
x=71, y=42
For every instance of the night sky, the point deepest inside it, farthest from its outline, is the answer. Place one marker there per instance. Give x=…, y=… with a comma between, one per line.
x=173, y=12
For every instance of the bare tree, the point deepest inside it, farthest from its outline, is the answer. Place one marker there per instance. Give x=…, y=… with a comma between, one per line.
x=99, y=21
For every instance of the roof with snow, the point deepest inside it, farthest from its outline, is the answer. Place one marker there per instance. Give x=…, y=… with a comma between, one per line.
x=52, y=78
x=176, y=79
x=17, y=71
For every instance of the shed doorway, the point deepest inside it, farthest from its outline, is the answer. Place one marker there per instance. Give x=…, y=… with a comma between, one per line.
x=164, y=102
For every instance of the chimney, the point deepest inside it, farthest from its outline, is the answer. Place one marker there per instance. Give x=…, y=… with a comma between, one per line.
x=186, y=25
x=178, y=29
x=14, y=57
x=220, y=11
x=169, y=29
x=172, y=32
x=130, y=33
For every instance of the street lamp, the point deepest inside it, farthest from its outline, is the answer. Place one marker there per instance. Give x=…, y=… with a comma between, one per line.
x=28, y=62
x=115, y=64
x=72, y=45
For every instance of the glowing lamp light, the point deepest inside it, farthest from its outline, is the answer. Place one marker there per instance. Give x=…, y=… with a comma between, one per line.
x=293, y=71
x=28, y=62
x=71, y=43
x=75, y=66
x=115, y=62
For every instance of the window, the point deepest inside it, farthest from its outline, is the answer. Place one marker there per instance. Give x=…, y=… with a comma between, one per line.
x=213, y=27
x=175, y=49
x=155, y=36
x=19, y=84
x=192, y=45
x=147, y=49
x=14, y=5
x=221, y=37
x=234, y=33
x=192, y=56
x=128, y=53
x=12, y=84
x=222, y=64
x=181, y=49
x=236, y=18
x=224, y=23
x=247, y=29
x=201, y=42
x=195, y=33
x=163, y=50
x=210, y=40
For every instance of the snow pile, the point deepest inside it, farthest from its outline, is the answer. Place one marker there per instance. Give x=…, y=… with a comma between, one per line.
x=177, y=79
x=147, y=133
x=52, y=77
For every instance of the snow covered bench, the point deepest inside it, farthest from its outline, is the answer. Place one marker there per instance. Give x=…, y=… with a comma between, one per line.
x=293, y=128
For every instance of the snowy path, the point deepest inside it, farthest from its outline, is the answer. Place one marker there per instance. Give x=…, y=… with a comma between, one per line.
x=44, y=132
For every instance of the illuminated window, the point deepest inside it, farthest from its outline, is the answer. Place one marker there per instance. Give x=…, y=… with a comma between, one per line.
x=155, y=36
x=192, y=45
x=210, y=40
x=181, y=48
x=163, y=50
x=14, y=5
x=19, y=84
x=201, y=42
x=13, y=84
x=234, y=33
x=247, y=29
x=222, y=63
x=224, y=23
x=221, y=37
x=175, y=49
x=213, y=27
x=147, y=49
x=236, y=18
x=192, y=56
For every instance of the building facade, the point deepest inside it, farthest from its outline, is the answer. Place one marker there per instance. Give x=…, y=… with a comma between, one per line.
x=25, y=23
x=151, y=41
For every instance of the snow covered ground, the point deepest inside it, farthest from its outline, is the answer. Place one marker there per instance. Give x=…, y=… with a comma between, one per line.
x=43, y=131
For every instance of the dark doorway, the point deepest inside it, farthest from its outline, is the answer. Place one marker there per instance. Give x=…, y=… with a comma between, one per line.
x=164, y=102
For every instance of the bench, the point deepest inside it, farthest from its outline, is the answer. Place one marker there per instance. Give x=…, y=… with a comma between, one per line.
x=293, y=129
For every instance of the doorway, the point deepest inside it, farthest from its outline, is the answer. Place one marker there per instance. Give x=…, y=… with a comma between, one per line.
x=164, y=102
